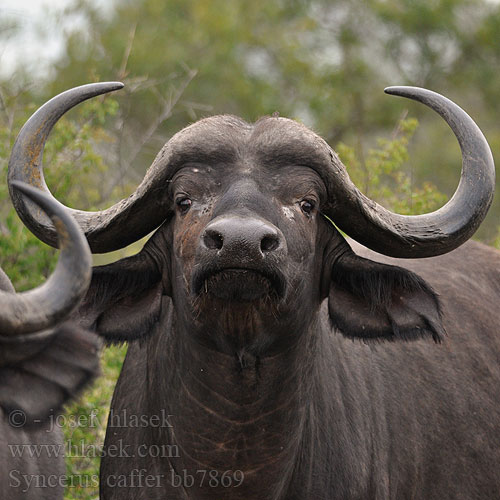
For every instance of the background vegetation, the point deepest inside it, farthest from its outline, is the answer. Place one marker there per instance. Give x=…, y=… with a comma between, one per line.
x=322, y=62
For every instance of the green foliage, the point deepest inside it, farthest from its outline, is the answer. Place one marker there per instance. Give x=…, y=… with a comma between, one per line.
x=384, y=177
x=496, y=241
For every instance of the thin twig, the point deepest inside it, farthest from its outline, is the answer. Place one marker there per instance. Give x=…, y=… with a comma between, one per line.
x=397, y=129
x=122, y=72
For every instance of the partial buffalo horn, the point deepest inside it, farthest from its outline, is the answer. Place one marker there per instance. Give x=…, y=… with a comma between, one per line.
x=106, y=230
x=429, y=234
x=51, y=302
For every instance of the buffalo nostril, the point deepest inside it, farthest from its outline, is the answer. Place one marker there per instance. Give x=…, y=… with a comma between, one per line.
x=269, y=243
x=213, y=240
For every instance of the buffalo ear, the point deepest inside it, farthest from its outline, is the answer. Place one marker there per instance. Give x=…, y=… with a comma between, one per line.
x=370, y=300
x=43, y=373
x=124, y=299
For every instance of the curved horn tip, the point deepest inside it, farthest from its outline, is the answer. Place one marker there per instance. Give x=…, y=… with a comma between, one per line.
x=401, y=90
x=36, y=195
x=99, y=87
x=420, y=94
x=114, y=85
x=53, y=208
x=84, y=92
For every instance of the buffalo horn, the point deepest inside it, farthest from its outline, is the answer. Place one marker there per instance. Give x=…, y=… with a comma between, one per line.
x=50, y=303
x=106, y=230
x=429, y=234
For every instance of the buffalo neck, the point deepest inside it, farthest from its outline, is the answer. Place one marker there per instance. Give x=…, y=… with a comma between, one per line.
x=233, y=412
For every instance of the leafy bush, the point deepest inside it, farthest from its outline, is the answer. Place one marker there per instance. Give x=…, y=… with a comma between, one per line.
x=386, y=176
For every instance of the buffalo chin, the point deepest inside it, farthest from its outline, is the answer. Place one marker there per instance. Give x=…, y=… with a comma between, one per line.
x=233, y=310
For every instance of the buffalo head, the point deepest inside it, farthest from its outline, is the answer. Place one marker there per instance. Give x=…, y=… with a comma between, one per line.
x=246, y=248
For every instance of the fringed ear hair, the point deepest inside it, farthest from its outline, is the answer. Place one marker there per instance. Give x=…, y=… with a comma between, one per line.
x=369, y=300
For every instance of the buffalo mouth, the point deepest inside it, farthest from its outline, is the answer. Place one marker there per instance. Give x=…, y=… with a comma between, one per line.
x=239, y=284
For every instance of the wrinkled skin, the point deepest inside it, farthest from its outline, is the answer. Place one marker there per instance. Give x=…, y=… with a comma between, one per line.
x=245, y=304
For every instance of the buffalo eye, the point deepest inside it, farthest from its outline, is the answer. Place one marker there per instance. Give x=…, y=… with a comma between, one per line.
x=183, y=204
x=307, y=206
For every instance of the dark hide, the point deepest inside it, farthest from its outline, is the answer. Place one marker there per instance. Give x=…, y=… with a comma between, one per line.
x=37, y=377
x=293, y=386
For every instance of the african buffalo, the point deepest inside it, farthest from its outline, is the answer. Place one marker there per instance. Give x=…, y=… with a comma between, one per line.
x=43, y=363
x=271, y=360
